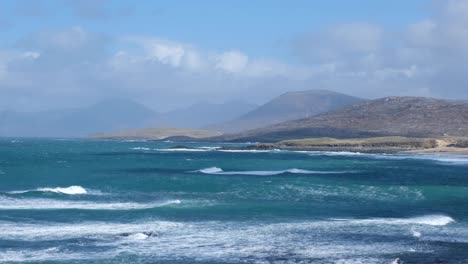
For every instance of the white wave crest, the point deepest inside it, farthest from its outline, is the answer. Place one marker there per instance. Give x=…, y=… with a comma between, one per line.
x=71, y=190
x=249, y=150
x=140, y=148
x=210, y=241
x=183, y=149
x=415, y=233
x=211, y=170
x=447, y=159
x=219, y=171
x=68, y=190
x=432, y=220
x=51, y=204
x=138, y=236
x=210, y=148
x=47, y=231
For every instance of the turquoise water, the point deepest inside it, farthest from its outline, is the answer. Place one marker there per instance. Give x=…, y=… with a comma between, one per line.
x=77, y=201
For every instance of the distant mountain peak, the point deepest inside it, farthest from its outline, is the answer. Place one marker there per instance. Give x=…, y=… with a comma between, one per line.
x=289, y=106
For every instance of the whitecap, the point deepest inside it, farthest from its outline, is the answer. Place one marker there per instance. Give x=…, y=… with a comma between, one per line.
x=248, y=150
x=48, y=231
x=338, y=153
x=446, y=159
x=51, y=204
x=183, y=149
x=211, y=170
x=208, y=241
x=415, y=233
x=141, y=148
x=432, y=220
x=71, y=190
x=210, y=148
x=67, y=190
x=137, y=236
x=219, y=171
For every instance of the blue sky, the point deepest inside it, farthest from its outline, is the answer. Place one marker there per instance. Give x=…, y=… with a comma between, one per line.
x=259, y=28
x=166, y=54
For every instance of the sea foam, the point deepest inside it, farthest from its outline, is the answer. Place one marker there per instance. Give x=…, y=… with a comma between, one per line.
x=444, y=159
x=140, y=148
x=219, y=171
x=52, y=204
x=207, y=241
x=71, y=190
x=432, y=220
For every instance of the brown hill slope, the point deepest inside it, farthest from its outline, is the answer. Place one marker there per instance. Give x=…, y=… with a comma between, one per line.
x=390, y=116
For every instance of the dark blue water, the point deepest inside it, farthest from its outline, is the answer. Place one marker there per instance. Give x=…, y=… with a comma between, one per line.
x=78, y=201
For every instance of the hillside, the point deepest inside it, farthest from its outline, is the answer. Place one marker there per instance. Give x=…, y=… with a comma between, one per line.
x=390, y=116
x=288, y=106
x=157, y=133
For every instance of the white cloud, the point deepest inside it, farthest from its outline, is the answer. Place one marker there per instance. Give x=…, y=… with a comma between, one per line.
x=166, y=52
x=187, y=57
x=232, y=61
x=74, y=66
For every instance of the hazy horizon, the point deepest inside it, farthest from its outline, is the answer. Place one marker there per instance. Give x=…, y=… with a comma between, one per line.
x=166, y=55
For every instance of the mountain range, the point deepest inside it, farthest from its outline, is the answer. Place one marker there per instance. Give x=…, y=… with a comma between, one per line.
x=109, y=115
x=390, y=116
x=293, y=115
x=114, y=115
x=288, y=106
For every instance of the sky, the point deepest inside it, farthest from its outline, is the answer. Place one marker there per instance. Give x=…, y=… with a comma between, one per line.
x=167, y=54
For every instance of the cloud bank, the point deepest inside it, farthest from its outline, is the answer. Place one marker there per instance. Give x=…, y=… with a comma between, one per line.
x=76, y=66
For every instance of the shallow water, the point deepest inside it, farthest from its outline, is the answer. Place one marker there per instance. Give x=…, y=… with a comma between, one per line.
x=77, y=201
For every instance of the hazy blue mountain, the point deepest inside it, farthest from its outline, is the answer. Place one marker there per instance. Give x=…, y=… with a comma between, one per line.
x=288, y=106
x=113, y=116
x=204, y=114
x=105, y=116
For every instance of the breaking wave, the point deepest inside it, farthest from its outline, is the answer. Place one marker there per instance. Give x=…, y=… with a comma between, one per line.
x=51, y=204
x=71, y=190
x=205, y=241
x=432, y=220
x=140, y=148
x=219, y=171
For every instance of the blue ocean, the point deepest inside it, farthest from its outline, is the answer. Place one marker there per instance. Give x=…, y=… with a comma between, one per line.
x=86, y=201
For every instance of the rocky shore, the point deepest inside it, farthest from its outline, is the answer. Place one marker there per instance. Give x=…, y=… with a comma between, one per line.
x=390, y=145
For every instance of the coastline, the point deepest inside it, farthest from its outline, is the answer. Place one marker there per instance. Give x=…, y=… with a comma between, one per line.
x=383, y=145
x=364, y=150
x=440, y=150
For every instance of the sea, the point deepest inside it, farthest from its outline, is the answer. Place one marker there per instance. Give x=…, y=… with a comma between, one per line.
x=89, y=201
